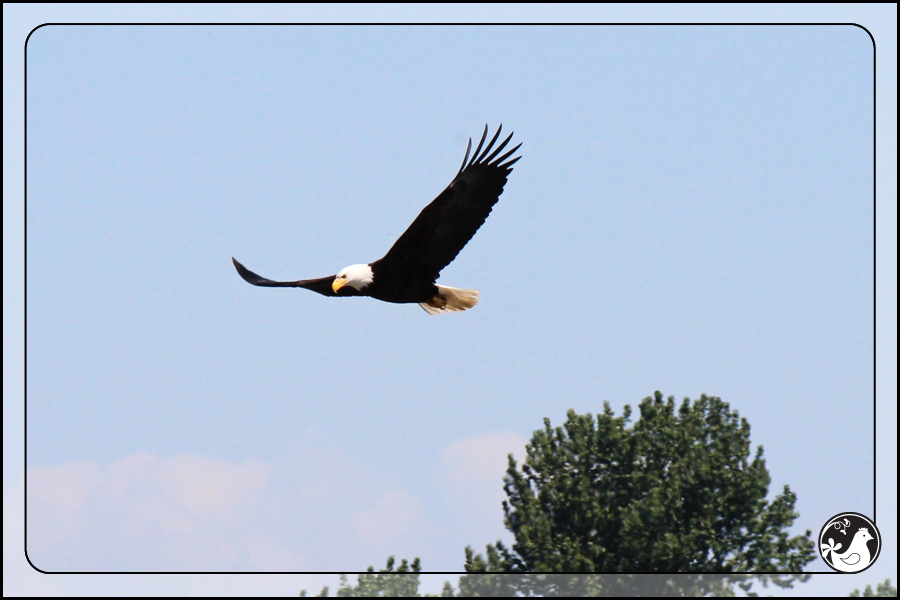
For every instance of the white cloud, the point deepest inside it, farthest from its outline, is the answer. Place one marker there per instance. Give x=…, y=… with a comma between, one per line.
x=482, y=457
x=472, y=471
x=147, y=513
x=316, y=512
x=143, y=492
x=63, y=491
x=395, y=513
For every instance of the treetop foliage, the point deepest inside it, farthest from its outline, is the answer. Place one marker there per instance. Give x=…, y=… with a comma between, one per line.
x=882, y=590
x=675, y=493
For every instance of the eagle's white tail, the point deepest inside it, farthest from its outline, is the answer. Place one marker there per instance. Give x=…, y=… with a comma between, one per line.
x=450, y=299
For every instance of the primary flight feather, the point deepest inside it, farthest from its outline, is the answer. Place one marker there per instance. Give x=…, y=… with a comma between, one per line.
x=407, y=273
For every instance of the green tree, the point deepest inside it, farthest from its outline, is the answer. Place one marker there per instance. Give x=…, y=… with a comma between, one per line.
x=882, y=590
x=386, y=583
x=675, y=493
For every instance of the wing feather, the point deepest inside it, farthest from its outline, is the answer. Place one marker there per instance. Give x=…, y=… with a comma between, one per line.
x=445, y=226
x=321, y=286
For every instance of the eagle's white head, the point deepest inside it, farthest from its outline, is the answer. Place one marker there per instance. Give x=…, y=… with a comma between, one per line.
x=356, y=276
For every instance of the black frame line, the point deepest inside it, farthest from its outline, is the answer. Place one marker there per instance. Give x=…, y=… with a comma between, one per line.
x=448, y=24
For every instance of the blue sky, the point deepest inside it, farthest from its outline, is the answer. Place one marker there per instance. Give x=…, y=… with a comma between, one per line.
x=692, y=213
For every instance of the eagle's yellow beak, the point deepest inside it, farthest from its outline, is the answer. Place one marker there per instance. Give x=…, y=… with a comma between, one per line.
x=338, y=284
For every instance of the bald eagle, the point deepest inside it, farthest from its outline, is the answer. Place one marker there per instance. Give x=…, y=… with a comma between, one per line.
x=407, y=273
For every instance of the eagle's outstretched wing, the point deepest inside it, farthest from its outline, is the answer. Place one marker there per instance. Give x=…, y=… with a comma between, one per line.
x=322, y=285
x=446, y=225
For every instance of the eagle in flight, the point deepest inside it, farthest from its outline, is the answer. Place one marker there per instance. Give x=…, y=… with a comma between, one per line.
x=407, y=273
